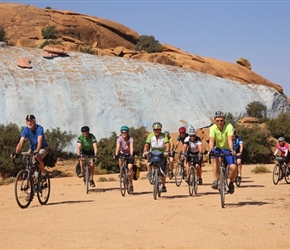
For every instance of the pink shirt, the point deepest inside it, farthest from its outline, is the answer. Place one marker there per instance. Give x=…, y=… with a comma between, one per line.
x=124, y=145
x=283, y=148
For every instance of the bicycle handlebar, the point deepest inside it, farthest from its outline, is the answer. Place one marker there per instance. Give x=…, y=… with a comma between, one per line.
x=217, y=154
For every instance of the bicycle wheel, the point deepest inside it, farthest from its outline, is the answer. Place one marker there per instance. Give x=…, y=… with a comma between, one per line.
x=191, y=181
x=287, y=175
x=23, y=188
x=127, y=181
x=276, y=174
x=238, y=180
x=123, y=185
x=155, y=183
x=227, y=175
x=194, y=183
x=222, y=185
x=87, y=177
x=43, y=191
x=178, y=174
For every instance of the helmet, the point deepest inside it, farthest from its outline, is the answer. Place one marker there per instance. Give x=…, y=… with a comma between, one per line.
x=157, y=125
x=182, y=130
x=124, y=128
x=280, y=139
x=219, y=114
x=85, y=129
x=191, y=131
x=167, y=133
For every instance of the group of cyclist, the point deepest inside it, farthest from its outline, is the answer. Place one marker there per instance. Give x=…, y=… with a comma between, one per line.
x=223, y=139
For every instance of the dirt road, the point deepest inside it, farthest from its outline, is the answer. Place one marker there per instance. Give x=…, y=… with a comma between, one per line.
x=256, y=216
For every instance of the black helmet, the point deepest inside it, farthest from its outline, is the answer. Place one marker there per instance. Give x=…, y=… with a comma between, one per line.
x=157, y=125
x=85, y=129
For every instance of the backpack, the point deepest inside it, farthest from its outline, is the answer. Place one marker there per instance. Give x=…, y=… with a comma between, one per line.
x=78, y=168
x=50, y=159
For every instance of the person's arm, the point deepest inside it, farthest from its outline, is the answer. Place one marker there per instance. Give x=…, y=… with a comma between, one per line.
x=79, y=146
x=241, y=148
x=117, y=148
x=19, y=145
x=132, y=147
x=211, y=143
x=200, y=148
x=230, y=142
x=95, y=146
x=39, y=143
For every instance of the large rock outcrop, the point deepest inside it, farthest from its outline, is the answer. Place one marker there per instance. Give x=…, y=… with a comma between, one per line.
x=23, y=25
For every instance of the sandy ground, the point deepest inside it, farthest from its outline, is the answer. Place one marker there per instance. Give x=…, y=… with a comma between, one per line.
x=256, y=216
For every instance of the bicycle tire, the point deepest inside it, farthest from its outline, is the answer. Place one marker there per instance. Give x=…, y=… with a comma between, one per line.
x=23, y=188
x=222, y=185
x=287, y=175
x=87, y=177
x=276, y=174
x=238, y=181
x=227, y=175
x=155, y=183
x=178, y=174
x=191, y=181
x=43, y=191
x=123, y=185
x=127, y=181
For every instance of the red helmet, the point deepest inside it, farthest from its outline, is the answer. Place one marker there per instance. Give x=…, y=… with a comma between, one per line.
x=182, y=130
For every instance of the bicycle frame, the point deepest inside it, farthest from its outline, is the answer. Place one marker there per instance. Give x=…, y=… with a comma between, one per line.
x=87, y=159
x=280, y=170
x=124, y=176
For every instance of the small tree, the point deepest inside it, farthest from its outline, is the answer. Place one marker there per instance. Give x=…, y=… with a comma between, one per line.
x=256, y=109
x=280, y=126
x=148, y=44
x=48, y=32
x=2, y=34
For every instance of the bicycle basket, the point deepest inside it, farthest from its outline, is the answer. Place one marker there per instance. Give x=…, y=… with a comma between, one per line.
x=156, y=156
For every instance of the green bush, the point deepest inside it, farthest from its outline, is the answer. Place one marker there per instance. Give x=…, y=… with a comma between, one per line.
x=48, y=32
x=256, y=109
x=280, y=126
x=257, y=145
x=260, y=169
x=148, y=44
x=87, y=50
x=2, y=34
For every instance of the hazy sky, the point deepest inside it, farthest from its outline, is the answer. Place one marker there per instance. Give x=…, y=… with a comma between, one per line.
x=225, y=30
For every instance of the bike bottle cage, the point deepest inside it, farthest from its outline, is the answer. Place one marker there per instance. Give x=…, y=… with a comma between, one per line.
x=156, y=156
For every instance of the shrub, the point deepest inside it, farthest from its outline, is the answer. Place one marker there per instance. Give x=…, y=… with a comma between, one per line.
x=47, y=42
x=87, y=50
x=148, y=44
x=256, y=109
x=2, y=34
x=279, y=126
x=48, y=32
x=260, y=169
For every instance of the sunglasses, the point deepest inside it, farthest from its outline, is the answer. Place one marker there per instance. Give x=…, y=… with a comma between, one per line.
x=124, y=132
x=192, y=136
x=219, y=120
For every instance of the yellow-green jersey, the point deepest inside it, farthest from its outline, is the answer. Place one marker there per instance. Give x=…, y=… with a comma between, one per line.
x=157, y=144
x=221, y=137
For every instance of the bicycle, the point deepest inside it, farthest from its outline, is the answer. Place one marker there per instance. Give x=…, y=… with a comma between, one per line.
x=124, y=176
x=238, y=179
x=222, y=182
x=88, y=159
x=192, y=178
x=155, y=158
x=180, y=172
x=168, y=170
x=281, y=171
x=28, y=182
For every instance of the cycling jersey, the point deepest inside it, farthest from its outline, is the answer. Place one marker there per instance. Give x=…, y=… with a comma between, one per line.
x=180, y=138
x=192, y=145
x=33, y=136
x=87, y=142
x=125, y=145
x=221, y=137
x=283, y=149
x=237, y=143
x=157, y=144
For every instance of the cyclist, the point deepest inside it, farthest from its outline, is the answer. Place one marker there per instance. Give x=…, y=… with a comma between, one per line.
x=38, y=144
x=181, y=137
x=125, y=146
x=193, y=147
x=87, y=145
x=283, y=147
x=220, y=141
x=238, y=147
x=157, y=141
x=171, y=154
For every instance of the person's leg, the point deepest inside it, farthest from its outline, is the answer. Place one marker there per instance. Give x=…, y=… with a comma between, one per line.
x=41, y=154
x=163, y=178
x=239, y=163
x=199, y=172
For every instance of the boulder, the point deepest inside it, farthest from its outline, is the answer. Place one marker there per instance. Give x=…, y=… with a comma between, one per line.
x=24, y=63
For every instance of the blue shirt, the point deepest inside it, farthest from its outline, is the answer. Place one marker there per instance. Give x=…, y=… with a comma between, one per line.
x=33, y=135
x=237, y=143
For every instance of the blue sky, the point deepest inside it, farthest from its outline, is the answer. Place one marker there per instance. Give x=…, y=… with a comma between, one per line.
x=225, y=30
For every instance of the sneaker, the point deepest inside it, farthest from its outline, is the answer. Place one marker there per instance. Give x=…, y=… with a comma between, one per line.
x=186, y=180
x=131, y=189
x=214, y=185
x=199, y=181
x=164, y=190
x=231, y=188
x=171, y=175
x=81, y=174
x=149, y=175
x=43, y=177
x=92, y=183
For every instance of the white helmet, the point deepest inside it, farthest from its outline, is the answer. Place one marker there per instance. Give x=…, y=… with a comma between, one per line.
x=191, y=131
